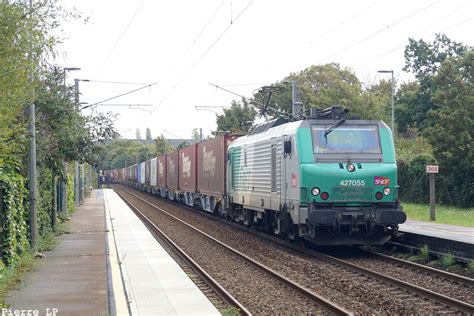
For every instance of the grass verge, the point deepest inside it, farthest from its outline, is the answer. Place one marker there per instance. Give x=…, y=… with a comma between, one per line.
x=444, y=214
x=11, y=277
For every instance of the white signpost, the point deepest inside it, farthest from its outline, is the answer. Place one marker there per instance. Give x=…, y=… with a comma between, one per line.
x=431, y=170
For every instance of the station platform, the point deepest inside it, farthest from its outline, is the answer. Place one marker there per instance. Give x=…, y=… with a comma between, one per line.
x=443, y=231
x=440, y=237
x=109, y=264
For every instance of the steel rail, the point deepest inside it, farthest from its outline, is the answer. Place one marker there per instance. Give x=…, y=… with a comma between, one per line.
x=431, y=252
x=437, y=297
x=226, y=296
x=444, y=274
x=313, y=296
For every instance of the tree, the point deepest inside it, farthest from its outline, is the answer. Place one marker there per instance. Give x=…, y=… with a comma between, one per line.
x=326, y=85
x=182, y=144
x=162, y=146
x=424, y=60
x=238, y=119
x=452, y=133
x=148, y=134
x=26, y=46
x=406, y=99
x=138, y=134
x=196, y=135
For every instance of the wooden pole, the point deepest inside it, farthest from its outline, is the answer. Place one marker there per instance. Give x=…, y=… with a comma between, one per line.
x=1, y=222
x=55, y=203
x=432, y=197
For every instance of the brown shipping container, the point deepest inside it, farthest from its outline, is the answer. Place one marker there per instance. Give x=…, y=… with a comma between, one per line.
x=211, y=164
x=172, y=174
x=147, y=171
x=187, y=168
x=161, y=170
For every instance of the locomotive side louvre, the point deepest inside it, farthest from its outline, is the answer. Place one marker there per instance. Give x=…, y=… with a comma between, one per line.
x=256, y=172
x=153, y=172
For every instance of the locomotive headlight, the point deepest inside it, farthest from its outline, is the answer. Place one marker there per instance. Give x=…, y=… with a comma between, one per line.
x=387, y=191
x=315, y=191
x=350, y=167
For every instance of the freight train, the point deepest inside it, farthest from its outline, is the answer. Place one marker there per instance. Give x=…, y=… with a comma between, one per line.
x=325, y=178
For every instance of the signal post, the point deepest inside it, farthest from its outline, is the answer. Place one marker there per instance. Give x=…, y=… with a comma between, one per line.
x=432, y=170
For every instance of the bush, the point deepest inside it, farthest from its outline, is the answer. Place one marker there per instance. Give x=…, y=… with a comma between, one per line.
x=413, y=180
x=447, y=260
x=15, y=218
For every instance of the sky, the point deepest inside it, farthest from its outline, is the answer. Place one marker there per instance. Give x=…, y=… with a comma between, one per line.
x=174, y=49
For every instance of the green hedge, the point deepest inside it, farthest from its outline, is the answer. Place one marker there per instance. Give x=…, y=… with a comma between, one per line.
x=413, y=180
x=453, y=187
x=15, y=216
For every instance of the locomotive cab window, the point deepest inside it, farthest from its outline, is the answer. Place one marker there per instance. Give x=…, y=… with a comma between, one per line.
x=349, y=140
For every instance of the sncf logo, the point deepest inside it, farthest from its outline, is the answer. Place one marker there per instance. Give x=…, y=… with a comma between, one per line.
x=381, y=180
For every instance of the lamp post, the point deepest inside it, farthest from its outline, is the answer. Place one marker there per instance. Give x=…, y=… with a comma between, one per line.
x=63, y=206
x=79, y=168
x=392, y=92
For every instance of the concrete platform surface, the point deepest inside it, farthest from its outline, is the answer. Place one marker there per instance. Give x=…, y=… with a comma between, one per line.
x=154, y=283
x=442, y=231
x=72, y=278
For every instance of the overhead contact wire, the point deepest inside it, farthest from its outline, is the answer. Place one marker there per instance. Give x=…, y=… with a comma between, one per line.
x=379, y=31
x=201, y=57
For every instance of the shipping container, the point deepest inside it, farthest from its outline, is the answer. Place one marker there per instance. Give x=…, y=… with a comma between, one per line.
x=211, y=164
x=187, y=168
x=137, y=168
x=161, y=171
x=141, y=176
x=147, y=171
x=129, y=173
x=133, y=171
x=172, y=170
x=153, y=172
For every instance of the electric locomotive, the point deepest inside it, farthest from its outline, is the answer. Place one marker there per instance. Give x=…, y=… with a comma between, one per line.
x=326, y=178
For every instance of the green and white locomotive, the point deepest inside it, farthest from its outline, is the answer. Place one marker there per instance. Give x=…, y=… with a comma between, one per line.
x=325, y=178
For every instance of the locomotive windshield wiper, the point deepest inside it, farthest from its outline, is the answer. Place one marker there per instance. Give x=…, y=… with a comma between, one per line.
x=326, y=133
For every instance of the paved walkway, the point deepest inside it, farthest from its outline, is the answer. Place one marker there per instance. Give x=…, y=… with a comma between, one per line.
x=73, y=277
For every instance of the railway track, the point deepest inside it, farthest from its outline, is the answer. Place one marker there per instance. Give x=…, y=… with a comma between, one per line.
x=324, y=305
x=459, y=256
x=448, y=276
x=399, y=289
x=195, y=267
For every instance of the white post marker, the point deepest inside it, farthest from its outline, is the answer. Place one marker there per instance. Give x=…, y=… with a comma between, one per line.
x=431, y=170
